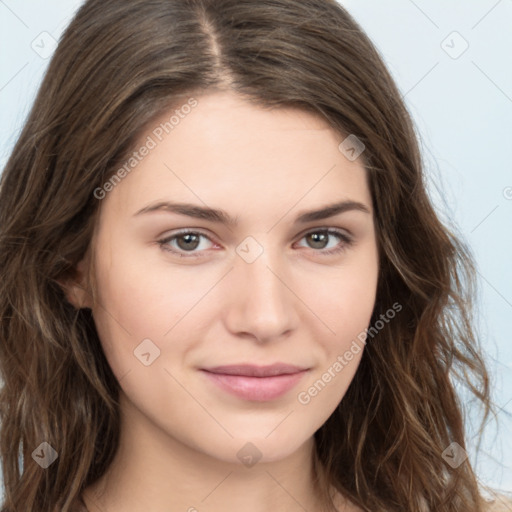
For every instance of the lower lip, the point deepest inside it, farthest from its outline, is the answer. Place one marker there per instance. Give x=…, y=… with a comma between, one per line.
x=260, y=389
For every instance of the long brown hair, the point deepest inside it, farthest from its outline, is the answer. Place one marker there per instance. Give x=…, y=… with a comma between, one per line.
x=117, y=66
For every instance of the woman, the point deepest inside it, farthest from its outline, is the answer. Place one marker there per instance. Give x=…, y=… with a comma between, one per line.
x=224, y=285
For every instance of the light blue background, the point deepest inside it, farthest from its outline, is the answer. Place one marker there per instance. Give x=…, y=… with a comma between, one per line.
x=462, y=108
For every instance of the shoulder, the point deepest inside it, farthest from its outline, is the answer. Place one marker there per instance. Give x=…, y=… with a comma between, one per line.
x=500, y=504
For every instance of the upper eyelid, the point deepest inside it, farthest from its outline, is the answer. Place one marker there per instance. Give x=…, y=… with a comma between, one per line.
x=184, y=231
x=339, y=230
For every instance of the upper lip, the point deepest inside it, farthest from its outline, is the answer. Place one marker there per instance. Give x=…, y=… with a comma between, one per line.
x=250, y=370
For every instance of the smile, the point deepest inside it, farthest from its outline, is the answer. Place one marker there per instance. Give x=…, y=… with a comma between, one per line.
x=254, y=383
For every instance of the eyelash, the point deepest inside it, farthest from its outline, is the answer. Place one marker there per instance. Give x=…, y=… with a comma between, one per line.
x=347, y=242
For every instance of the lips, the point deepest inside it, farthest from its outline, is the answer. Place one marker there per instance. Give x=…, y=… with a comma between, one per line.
x=250, y=370
x=256, y=383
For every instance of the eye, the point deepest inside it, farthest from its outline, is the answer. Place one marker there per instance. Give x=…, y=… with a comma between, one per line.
x=320, y=239
x=187, y=243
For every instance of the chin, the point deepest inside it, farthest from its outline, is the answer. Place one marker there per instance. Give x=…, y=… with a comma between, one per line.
x=250, y=449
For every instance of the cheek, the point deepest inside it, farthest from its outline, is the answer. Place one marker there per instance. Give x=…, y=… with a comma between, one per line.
x=345, y=304
x=345, y=299
x=143, y=294
x=346, y=309
x=140, y=298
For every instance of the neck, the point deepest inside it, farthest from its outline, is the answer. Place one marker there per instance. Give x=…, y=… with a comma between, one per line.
x=153, y=471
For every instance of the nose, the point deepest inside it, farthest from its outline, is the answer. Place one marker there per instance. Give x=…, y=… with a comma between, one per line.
x=262, y=304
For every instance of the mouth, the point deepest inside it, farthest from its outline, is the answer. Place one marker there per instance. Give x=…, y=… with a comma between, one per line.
x=256, y=383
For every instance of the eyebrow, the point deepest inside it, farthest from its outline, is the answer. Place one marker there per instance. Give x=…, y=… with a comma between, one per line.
x=222, y=217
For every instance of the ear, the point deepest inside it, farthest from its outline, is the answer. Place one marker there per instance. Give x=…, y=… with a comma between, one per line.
x=76, y=287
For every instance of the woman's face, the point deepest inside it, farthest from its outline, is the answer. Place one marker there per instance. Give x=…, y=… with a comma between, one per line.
x=181, y=290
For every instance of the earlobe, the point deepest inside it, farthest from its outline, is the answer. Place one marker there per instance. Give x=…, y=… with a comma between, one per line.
x=75, y=288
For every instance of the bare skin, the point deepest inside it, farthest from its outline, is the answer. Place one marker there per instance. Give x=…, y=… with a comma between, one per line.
x=181, y=433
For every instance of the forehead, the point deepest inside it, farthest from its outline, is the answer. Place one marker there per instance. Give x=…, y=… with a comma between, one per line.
x=227, y=150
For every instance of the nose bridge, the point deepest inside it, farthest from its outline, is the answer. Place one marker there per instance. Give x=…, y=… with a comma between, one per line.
x=261, y=303
x=259, y=272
